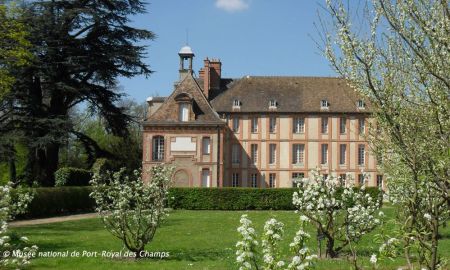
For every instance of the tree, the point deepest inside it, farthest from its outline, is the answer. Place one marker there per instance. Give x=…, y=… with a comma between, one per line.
x=131, y=209
x=247, y=255
x=10, y=254
x=342, y=215
x=80, y=48
x=14, y=53
x=399, y=59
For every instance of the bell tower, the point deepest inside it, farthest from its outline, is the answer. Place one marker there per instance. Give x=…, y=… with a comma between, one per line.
x=186, y=55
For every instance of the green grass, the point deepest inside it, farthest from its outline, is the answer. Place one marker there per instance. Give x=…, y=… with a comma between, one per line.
x=194, y=239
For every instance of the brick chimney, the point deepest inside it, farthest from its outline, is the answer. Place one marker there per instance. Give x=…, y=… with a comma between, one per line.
x=211, y=74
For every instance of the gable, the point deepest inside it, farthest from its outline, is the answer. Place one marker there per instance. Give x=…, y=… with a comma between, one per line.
x=188, y=92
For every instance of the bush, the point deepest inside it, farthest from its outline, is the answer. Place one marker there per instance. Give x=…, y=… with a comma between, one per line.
x=68, y=176
x=56, y=201
x=236, y=198
x=101, y=165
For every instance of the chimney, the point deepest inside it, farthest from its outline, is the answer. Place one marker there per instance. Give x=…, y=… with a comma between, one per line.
x=211, y=74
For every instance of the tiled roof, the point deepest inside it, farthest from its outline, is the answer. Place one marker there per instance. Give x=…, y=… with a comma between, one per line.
x=292, y=94
x=167, y=113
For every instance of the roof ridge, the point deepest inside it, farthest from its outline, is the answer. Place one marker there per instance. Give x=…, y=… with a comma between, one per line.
x=299, y=77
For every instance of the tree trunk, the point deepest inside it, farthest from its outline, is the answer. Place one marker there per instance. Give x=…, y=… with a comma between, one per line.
x=42, y=165
x=331, y=253
x=12, y=170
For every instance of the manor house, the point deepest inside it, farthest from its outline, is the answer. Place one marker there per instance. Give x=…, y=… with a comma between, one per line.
x=256, y=131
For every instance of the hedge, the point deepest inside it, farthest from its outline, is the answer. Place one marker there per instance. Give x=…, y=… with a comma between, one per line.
x=237, y=198
x=57, y=201
x=68, y=176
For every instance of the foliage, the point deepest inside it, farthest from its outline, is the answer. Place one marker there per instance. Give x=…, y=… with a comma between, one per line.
x=13, y=46
x=68, y=176
x=397, y=56
x=341, y=220
x=131, y=209
x=240, y=198
x=8, y=209
x=58, y=201
x=247, y=247
x=80, y=50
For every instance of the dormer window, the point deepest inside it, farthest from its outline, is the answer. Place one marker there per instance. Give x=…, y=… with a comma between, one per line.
x=361, y=105
x=273, y=104
x=324, y=104
x=184, y=112
x=236, y=103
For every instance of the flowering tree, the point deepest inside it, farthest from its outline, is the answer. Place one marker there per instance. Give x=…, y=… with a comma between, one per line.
x=131, y=209
x=247, y=248
x=397, y=56
x=10, y=255
x=341, y=218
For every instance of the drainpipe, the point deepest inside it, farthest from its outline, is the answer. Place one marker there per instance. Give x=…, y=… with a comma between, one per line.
x=218, y=156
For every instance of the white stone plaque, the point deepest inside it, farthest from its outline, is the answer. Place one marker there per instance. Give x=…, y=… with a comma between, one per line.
x=183, y=144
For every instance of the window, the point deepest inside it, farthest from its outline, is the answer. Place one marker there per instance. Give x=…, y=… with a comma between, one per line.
x=254, y=180
x=361, y=104
x=272, y=153
x=235, y=154
x=236, y=124
x=342, y=154
x=254, y=153
x=324, y=125
x=184, y=112
x=205, y=178
x=272, y=180
x=299, y=125
x=379, y=180
x=158, y=148
x=297, y=176
x=273, y=104
x=342, y=178
x=324, y=104
x=343, y=125
x=361, y=179
x=235, y=180
x=324, y=176
x=254, y=124
x=361, y=153
x=324, y=156
x=361, y=126
x=236, y=103
x=272, y=124
x=298, y=153
x=206, y=145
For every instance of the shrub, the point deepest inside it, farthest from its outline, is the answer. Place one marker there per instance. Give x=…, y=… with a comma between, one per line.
x=56, y=201
x=237, y=198
x=101, y=165
x=68, y=176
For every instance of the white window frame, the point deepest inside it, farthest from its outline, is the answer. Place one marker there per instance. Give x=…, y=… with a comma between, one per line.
x=206, y=145
x=296, y=175
x=272, y=104
x=272, y=153
x=324, y=154
x=361, y=179
x=342, y=154
x=361, y=104
x=361, y=154
x=236, y=103
x=272, y=180
x=235, y=123
x=254, y=180
x=298, y=153
x=158, y=143
x=254, y=153
x=324, y=125
x=324, y=104
x=361, y=126
x=254, y=125
x=342, y=125
x=299, y=125
x=184, y=112
x=235, y=179
x=272, y=124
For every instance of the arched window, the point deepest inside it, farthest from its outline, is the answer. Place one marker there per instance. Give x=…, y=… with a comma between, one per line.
x=158, y=148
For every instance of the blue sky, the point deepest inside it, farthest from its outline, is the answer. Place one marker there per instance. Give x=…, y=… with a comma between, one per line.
x=251, y=37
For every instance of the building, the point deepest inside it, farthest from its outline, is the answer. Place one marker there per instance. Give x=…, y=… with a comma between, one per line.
x=256, y=131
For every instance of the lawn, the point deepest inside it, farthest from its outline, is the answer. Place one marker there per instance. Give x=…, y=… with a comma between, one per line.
x=194, y=240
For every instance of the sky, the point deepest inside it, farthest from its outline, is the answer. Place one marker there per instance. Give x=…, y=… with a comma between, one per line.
x=250, y=37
